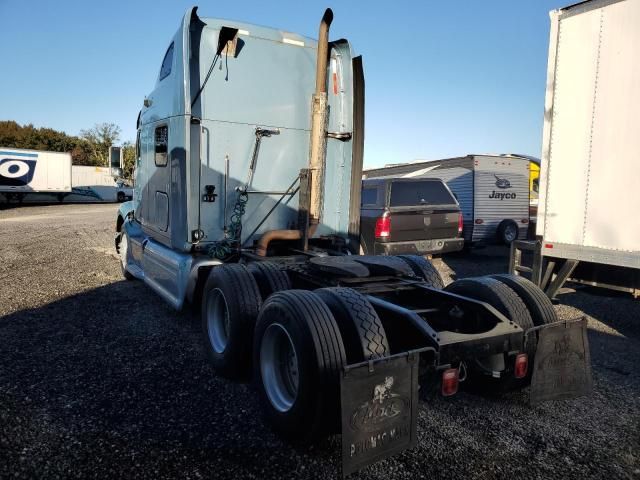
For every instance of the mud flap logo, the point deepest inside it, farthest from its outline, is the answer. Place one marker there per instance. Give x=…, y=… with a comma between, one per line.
x=562, y=367
x=383, y=407
x=378, y=404
x=16, y=172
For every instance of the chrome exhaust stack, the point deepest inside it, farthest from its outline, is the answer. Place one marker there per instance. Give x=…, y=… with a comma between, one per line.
x=319, y=109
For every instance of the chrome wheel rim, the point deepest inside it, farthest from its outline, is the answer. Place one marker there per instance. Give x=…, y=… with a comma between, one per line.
x=279, y=367
x=218, y=322
x=510, y=233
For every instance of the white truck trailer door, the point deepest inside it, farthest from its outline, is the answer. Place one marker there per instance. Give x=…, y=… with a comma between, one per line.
x=590, y=176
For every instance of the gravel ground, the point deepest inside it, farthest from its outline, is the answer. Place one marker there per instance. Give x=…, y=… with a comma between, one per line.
x=99, y=378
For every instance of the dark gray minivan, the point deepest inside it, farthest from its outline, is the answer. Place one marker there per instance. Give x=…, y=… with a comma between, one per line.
x=406, y=215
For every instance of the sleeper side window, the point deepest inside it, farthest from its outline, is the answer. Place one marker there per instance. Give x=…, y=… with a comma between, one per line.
x=161, y=145
x=165, y=70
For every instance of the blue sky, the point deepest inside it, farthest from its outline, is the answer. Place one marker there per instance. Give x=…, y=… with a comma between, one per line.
x=443, y=78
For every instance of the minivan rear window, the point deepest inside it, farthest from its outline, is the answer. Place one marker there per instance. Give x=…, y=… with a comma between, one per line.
x=427, y=192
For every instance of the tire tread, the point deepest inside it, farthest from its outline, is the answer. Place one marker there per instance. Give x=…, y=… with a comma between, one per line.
x=424, y=269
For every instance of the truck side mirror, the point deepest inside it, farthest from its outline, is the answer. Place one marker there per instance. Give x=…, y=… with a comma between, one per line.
x=227, y=34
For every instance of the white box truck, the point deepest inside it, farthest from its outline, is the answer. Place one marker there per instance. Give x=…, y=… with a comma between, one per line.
x=588, y=226
x=25, y=172
x=493, y=192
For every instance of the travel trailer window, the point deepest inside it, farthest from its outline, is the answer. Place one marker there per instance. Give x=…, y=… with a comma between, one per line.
x=427, y=192
x=161, y=145
x=165, y=70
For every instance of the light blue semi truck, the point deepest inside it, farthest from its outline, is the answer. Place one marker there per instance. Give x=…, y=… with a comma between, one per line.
x=247, y=205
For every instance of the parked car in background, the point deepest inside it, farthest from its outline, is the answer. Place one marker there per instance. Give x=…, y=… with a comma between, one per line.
x=493, y=191
x=409, y=216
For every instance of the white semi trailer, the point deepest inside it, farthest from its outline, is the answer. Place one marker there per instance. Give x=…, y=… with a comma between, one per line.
x=25, y=172
x=588, y=226
x=34, y=176
x=97, y=184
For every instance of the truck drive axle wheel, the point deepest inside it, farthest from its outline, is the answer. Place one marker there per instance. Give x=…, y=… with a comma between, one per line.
x=269, y=277
x=424, y=269
x=298, y=356
x=539, y=305
x=360, y=327
x=507, y=302
x=230, y=305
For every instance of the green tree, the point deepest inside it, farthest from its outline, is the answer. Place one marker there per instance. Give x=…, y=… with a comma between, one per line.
x=129, y=159
x=100, y=138
x=83, y=151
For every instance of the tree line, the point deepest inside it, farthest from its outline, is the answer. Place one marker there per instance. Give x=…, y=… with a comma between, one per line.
x=91, y=147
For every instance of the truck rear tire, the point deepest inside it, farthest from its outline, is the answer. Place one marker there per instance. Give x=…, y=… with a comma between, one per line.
x=269, y=277
x=298, y=355
x=539, y=305
x=507, y=302
x=230, y=305
x=507, y=232
x=362, y=331
x=424, y=269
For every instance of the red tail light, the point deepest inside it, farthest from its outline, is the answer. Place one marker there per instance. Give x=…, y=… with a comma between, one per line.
x=460, y=224
x=383, y=227
x=449, y=382
x=521, y=366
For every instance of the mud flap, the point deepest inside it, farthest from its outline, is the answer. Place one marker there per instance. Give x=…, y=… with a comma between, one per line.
x=379, y=401
x=562, y=365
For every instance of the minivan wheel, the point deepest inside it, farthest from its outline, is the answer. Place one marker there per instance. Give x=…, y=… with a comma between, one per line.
x=507, y=232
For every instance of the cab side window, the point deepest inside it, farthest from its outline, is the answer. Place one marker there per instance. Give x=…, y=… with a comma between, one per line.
x=161, y=145
x=165, y=70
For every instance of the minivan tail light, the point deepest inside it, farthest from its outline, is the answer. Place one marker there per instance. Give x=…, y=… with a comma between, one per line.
x=383, y=227
x=460, y=224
